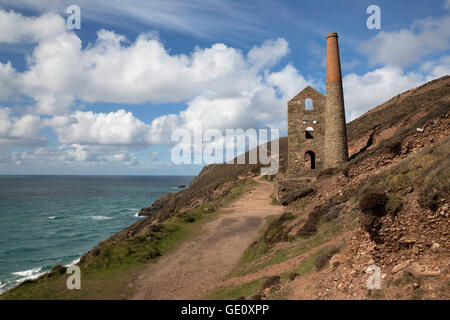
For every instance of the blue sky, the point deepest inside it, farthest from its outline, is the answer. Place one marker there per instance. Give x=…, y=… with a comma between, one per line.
x=104, y=99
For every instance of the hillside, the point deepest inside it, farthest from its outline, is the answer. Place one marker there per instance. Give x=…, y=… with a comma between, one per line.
x=388, y=206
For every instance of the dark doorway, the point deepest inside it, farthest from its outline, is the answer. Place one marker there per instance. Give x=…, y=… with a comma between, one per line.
x=310, y=160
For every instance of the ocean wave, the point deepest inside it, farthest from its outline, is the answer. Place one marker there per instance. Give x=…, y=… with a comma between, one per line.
x=28, y=274
x=52, y=217
x=101, y=217
x=74, y=262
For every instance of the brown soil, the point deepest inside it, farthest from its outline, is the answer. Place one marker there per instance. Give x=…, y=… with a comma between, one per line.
x=199, y=265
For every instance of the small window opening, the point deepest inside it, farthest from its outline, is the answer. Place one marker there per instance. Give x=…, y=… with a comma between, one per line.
x=309, y=133
x=309, y=104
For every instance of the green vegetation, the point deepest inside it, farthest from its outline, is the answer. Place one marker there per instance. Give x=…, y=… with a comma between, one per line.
x=427, y=172
x=110, y=265
x=258, y=248
x=295, y=195
x=274, y=201
x=232, y=292
x=238, y=191
x=393, y=205
x=322, y=260
x=255, y=287
x=308, y=264
x=258, y=255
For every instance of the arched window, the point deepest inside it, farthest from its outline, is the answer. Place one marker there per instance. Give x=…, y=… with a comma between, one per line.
x=309, y=133
x=309, y=104
x=310, y=160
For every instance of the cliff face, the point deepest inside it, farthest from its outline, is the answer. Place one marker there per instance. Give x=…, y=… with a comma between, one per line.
x=382, y=137
x=387, y=207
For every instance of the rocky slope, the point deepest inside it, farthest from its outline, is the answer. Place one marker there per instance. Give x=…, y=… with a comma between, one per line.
x=387, y=207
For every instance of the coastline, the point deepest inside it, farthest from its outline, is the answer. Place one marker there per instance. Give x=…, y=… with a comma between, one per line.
x=15, y=275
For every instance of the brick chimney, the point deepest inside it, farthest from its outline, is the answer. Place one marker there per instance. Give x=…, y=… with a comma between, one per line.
x=336, y=148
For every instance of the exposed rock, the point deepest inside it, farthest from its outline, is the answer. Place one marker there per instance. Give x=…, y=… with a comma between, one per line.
x=400, y=266
x=336, y=260
x=418, y=270
x=436, y=247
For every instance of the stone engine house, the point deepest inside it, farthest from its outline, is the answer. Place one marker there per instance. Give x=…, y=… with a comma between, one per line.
x=317, y=133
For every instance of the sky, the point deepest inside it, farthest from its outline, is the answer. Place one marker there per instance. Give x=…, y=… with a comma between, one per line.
x=105, y=98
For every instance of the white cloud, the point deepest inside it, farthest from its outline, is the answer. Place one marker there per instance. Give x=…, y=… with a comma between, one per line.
x=436, y=69
x=406, y=46
x=15, y=28
x=221, y=86
x=289, y=81
x=446, y=4
x=201, y=18
x=269, y=53
x=19, y=130
x=111, y=129
x=60, y=72
x=362, y=93
x=8, y=80
x=71, y=155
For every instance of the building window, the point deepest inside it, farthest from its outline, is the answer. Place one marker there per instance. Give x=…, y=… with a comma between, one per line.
x=309, y=104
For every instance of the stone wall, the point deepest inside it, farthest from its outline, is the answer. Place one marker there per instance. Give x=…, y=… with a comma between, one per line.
x=298, y=144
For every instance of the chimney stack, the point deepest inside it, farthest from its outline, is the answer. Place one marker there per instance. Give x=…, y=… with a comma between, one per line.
x=335, y=126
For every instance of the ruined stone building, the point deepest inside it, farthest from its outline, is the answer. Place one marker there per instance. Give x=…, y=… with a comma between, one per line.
x=317, y=134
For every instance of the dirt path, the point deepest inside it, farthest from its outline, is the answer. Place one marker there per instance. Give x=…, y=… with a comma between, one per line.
x=197, y=266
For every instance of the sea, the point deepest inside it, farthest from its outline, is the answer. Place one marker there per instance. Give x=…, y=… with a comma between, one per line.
x=49, y=220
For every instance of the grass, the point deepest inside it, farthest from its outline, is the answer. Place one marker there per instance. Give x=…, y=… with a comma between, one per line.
x=238, y=191
x=427, y=171
x=232, y=292
x=105, y=274
x=256, y=257
x=307, y=265
x=274, y=201
x=258, y=248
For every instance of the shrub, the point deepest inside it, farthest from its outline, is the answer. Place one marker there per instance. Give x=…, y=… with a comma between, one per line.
x=310, y=226
x=295, y=195
x=293, y=275
x=372, y=226
x=332, y=214
x=323, y=259
x=270, y=282
x=374, y=203
x=393, y=205
x=275, y=232
x=189, y=219
x=436, y=185
x=326, y=173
